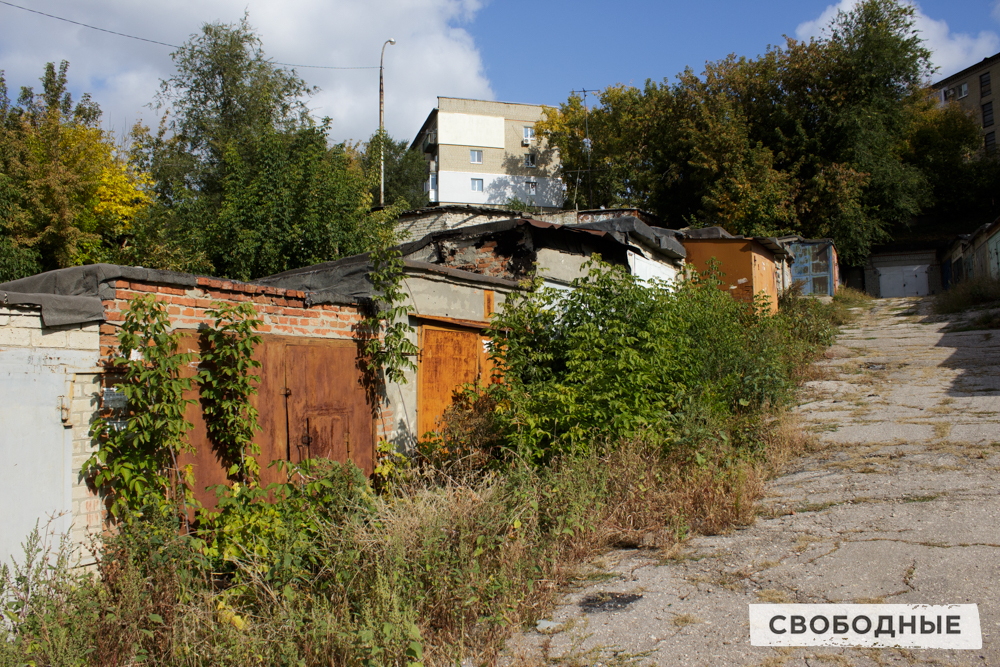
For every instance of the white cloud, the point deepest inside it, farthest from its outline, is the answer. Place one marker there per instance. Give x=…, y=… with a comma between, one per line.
x=950, y=51
x=433, y=54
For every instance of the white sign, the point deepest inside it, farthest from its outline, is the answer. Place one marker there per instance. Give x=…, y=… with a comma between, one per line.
x=953, y=626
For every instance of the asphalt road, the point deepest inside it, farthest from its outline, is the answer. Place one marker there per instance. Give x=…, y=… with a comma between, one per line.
x=898, y=504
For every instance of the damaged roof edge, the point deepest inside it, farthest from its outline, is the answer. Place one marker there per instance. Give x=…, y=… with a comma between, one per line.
x=663, y=240
x=74, y=295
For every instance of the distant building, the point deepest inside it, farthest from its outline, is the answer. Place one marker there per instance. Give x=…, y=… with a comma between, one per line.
x=973, y=89
x=484, y=153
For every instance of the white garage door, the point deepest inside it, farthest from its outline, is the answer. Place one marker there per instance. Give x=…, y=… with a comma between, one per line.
x=896, y=281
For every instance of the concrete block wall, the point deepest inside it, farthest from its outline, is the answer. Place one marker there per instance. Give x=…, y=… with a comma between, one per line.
x=416, y=226
x=73, y=351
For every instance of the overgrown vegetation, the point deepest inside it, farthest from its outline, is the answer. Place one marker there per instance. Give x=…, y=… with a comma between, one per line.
x=240, y=179
x=969, y=293
x=622, y=414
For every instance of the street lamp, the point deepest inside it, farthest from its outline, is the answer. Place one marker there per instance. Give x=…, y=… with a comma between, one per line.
x=381, y=126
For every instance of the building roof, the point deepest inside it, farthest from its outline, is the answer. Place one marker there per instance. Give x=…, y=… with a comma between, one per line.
x=73, y=295
x=707, y=233
x=966, y=72
x=346, y=280
x=625, y=227
x=460, y=208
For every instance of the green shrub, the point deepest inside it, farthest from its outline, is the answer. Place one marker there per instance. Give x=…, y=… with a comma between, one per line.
x=615, y=357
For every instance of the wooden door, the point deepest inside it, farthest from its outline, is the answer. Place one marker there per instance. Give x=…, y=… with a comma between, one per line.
x=449, y=358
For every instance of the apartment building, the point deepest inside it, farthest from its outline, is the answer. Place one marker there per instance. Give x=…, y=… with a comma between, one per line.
x=973, y=89
x=485, y=153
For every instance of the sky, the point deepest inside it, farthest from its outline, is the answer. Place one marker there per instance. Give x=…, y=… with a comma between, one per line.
x=530, y=51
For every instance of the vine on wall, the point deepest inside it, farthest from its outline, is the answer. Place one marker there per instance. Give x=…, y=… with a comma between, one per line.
x=136, y=461
x=135, y=466
x=228, y=380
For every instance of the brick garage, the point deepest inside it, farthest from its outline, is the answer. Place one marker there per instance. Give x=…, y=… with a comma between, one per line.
x=311, y=388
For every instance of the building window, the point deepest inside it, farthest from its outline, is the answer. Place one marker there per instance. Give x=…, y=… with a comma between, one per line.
x=987, y=114
x=991, y=142
x=532, y=188
x=529, y=159
x=477, y=185
x=434, y=181
x=476, y=157
x=984, y=84
x=529, y=135
x=963, y=90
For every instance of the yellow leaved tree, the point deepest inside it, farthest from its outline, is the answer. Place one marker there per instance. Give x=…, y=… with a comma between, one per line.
x=68, y=194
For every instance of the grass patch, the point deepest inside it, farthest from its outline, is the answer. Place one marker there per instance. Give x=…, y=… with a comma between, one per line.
x=772, y=596
x=683, y=620
x=990, y=320
x=979, y=291
x=922, y=499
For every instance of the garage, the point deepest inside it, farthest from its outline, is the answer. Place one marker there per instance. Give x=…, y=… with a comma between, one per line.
x=899, y=281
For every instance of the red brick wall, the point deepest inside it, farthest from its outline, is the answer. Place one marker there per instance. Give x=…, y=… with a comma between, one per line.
x=283, y=312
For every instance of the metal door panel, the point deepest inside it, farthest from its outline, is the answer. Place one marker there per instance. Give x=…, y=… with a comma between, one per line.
x=449, y=358
x=328, y=412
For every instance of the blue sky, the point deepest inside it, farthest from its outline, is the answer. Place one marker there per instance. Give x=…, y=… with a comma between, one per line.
x=594, y=46
x=510, y=50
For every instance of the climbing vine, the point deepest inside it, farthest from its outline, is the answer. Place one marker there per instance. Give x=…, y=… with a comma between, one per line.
x=135, y=465
x=228, y=381
x=388, y=349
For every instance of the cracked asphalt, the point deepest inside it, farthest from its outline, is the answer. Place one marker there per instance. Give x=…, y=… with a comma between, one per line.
x=897, y=503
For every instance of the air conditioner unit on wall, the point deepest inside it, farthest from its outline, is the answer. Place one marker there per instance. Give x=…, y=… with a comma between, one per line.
x=526, y=141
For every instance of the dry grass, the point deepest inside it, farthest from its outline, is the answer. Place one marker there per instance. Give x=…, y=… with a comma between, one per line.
x=773, y=596
x=968, y=294
x=682, y=620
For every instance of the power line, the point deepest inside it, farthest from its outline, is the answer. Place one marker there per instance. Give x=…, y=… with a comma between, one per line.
x=151, y=41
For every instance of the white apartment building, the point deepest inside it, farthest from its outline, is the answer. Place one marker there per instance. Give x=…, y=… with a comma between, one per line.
x=485, y=153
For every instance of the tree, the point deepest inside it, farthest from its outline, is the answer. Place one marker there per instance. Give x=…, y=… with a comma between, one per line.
x=810, y=138
x=405, y=171
x=68, y=194
x=246, y=184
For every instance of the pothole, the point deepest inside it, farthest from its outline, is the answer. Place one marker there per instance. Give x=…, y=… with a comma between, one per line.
x=602, y=601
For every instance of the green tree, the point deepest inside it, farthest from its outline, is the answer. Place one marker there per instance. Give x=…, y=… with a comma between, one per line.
x=246, y=183
x=809, y=138
x=405, y=171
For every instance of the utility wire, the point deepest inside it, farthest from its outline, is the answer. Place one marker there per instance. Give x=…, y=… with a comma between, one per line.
x=151, y=41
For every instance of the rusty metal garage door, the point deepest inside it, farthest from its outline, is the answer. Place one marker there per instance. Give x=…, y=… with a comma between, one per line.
x=328, y=414
x=450, y=356
x=311, y=404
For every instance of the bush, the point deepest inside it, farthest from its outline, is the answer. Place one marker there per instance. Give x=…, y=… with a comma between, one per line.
x=615, y=357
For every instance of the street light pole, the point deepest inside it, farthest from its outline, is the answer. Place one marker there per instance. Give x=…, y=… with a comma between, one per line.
x=381, y=126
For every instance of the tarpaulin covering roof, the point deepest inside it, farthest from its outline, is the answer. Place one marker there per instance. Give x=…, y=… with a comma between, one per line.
x=73, y=295
x=626, y=226
x=771, y=243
